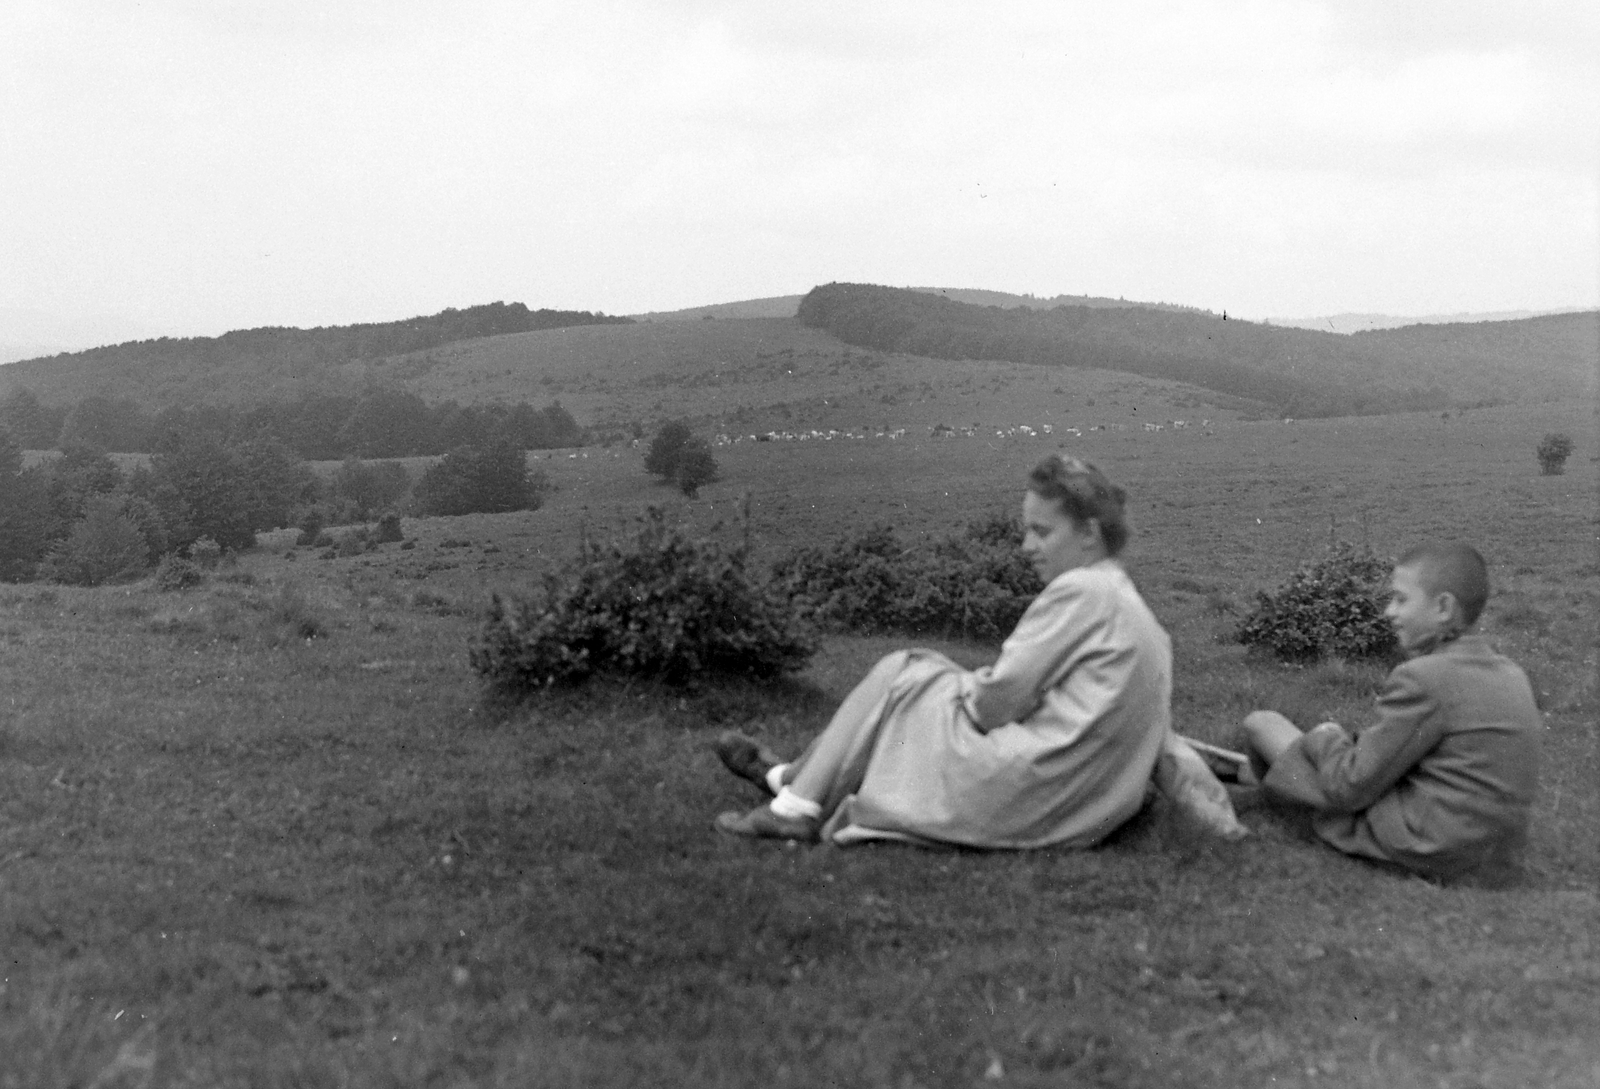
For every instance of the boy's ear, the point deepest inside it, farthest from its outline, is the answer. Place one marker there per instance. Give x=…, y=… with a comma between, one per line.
x=1449, y=608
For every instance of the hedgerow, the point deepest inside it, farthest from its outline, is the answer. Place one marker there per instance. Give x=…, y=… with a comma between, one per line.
x=1332, y=607
x=663, y=605
x=975, y=585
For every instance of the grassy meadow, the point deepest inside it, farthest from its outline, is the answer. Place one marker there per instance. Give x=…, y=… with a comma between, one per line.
x=269, y=831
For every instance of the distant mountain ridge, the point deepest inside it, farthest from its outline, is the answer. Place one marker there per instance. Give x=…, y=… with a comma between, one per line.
x=1365, y=323
x=787, y=306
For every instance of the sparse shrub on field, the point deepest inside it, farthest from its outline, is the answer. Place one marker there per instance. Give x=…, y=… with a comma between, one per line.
x=1332, y=607
x=388, y=529
x=1553, y=451
x=176, y=573
x=975, y=585
x=206, y=553
x=663, y=605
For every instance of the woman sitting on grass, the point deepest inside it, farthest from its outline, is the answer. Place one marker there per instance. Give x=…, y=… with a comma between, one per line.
x=1053, y=744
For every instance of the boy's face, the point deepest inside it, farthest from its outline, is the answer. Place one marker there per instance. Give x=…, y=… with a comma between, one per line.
x=1418, y=617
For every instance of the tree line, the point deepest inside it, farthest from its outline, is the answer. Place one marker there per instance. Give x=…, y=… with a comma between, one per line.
x=377, y=424
x=1297, y=372
x=80, y=518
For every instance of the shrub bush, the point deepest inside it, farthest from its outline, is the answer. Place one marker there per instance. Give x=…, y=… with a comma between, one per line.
x=1333, y=606
x=389, y=529
x=354, y=542
x=205, y=552
x=1553, y=451
x=662, y=606
x=975, y=585
x=176, y=573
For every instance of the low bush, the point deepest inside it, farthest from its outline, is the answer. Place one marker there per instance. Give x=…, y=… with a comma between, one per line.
x=975, y=585
x=354, y=542
x=176, y=573
x=663, y=605
x=389, y=529
x=1331, y=607
x=1553, y=451
x=206, y=553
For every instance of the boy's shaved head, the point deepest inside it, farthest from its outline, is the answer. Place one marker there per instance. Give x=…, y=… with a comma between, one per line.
x=1455, y=569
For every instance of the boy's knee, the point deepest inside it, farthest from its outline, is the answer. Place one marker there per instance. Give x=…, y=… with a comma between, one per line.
x=1264, y=723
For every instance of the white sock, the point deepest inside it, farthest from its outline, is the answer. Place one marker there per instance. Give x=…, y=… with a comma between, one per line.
x=791, y=807
x=775, y=778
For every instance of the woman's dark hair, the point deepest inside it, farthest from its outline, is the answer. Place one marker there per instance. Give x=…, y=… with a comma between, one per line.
x=1083, y=492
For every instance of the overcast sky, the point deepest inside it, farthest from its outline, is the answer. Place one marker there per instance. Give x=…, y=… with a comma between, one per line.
x=199, y=165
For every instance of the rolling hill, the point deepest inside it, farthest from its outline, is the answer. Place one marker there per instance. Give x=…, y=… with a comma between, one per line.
x=900, y=359
x=1302, y=372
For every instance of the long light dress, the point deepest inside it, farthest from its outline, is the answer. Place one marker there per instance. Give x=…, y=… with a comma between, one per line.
x=1052, y=745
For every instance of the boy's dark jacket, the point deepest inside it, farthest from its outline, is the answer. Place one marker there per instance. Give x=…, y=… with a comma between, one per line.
x=1442, y=783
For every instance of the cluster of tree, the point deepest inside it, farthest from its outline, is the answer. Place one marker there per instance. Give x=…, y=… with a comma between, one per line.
x=1296, y=371
x=379, y=424
x=79, y=518
x=679, y=456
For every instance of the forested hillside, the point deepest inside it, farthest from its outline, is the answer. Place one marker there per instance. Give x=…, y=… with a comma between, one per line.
x=1301, y=372
x=253, y=365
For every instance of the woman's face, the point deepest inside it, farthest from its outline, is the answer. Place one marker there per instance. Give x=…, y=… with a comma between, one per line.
x=1055, y=543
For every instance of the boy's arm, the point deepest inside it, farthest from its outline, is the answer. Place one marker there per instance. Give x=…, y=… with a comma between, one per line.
x=1354, y=773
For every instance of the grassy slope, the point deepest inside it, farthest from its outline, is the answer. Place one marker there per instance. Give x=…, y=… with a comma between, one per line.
x=762, y=374
x=232, y=855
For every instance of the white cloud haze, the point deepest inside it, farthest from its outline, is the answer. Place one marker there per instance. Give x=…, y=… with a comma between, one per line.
x=197, y=165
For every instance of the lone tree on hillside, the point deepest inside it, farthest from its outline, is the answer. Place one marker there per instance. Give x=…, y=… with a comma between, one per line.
x=662, y=458
x=480, y=480
x=696, y=466
x=1554, y=449
x=679, y=457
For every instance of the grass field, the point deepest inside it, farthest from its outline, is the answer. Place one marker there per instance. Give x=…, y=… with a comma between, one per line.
x=269, y=832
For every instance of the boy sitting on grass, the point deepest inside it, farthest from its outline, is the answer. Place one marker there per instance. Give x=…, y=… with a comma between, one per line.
x=1443, y=781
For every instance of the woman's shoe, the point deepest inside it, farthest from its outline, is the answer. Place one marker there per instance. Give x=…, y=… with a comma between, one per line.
x=761, y=822
x=747, y=758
